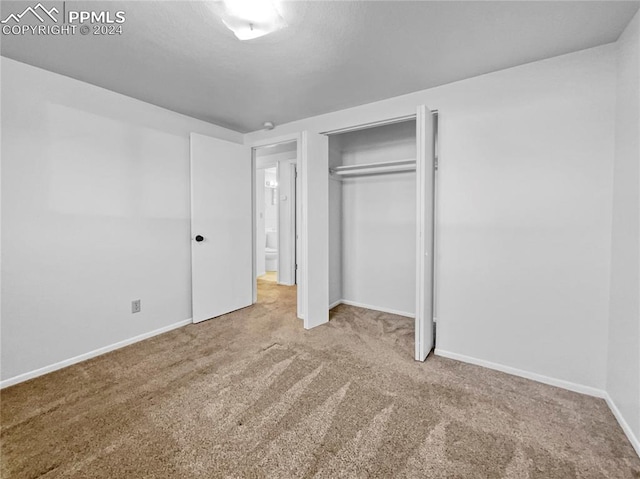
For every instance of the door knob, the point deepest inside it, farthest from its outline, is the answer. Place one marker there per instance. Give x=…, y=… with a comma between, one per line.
x=199, y=238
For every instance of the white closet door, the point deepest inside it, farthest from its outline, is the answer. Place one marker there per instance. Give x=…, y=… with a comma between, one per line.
x=221, y=230
x=314, y=173
x=424, y=275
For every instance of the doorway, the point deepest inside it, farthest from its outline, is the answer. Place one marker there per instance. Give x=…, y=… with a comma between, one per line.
x=275, y=225
x=381, y=219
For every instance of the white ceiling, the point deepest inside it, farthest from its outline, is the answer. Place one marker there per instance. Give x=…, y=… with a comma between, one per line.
x=333, y=55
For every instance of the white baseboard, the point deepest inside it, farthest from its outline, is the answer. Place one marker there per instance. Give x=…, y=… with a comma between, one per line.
x=337, y=303
x=635, y=442
x=374, y=308
x=91, y=354
x=579, y=388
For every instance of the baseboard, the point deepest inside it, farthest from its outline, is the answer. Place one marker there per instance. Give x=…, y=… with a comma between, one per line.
x=91, y=354
x=635, y=442
x=337, y=303
x=374, y=308
x=579, y=388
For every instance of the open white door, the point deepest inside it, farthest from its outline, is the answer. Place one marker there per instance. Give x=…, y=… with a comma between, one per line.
x=313, y=288
x=299, y=248
x=221, y=229
x=425, y=135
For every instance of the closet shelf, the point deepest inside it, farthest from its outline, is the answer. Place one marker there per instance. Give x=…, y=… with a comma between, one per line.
x=373, y=168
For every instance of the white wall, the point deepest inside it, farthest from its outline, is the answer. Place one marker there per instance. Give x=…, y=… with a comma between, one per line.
x=623, y=371
x=271, y=200
x=95, y=213
x=525, y=188
x=378, y=214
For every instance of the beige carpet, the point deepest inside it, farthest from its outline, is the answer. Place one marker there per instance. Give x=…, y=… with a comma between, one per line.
x=269, y=276
x=254, y=395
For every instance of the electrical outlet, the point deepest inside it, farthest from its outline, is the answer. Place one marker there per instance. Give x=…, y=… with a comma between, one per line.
x=135, y=306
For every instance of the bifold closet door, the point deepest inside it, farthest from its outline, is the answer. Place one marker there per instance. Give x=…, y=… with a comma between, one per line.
x=425, y=137
x=221, y=230
x=314, y=173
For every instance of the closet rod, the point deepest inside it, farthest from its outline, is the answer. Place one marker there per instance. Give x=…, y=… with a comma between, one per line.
x=382, y=167
x=376, y=171
x=372, y=124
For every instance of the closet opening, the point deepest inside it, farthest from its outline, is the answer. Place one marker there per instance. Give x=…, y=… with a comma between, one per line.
x=275, y=225
x=377, y=228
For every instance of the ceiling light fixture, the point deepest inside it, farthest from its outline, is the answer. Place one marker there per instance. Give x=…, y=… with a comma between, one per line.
x=249, y=19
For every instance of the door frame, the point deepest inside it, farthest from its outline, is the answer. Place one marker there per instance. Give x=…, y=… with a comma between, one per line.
x=302, y=189
x=292, y=214
x=420, y=250
x=300, y=256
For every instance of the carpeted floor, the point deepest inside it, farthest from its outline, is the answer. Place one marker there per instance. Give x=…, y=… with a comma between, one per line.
x=252, y=394
x=269, y=276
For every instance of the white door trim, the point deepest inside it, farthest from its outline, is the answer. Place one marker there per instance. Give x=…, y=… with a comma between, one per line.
x=254, y=218
x=276, y=140
x=293, y=168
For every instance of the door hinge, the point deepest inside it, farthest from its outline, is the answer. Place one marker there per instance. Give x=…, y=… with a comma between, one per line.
x=435, y=164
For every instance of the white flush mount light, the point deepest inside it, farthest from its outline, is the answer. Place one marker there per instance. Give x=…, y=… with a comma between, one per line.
x=249, y=19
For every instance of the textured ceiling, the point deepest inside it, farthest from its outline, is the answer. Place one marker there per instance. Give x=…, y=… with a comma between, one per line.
x=333, y=55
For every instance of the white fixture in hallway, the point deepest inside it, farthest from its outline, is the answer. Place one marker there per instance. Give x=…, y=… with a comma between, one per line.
x=271, y=251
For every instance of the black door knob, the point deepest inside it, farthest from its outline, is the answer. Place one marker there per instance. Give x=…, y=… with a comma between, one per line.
x=199, y=238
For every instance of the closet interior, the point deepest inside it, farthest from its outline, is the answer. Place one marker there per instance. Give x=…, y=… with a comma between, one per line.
x=372, y=218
